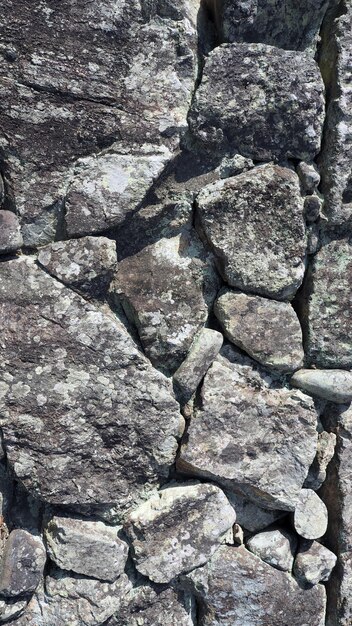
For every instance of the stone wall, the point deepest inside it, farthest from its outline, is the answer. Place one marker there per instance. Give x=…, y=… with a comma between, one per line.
x=176, y=313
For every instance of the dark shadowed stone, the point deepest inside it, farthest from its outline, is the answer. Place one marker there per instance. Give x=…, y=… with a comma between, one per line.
x=313, y=563
x=260, y=101
x=22, y=564
x=87, y=422
x=236, y=588
x=249, y=515
x=310, y=516
x=329, y=307
x=268, y=331
x=254, y=224
x=179, y=529
x=86, y=264
x=10, y=234
x=251, y=434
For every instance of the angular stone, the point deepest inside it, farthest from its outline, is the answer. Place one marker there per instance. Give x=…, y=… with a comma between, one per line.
x=254, y=224
x=161, y=289
x=288, y=24
x=251, y=434
x=22, y=564
x=309, y=177
x=325, y=452
x=89, y=548
x=311, y=516
x=333, y=385
x=313, y=563
x=249, y=515
x=248, y=90
x=275, y=546
x=86, y=264
x=10, y=233
x=202, y=353
x=151, y=607
x=9, y=609
x=312, y=208
x=179, y=529
x=116, y=422
x=237, y=588
x=268, y=331
x=329, y=310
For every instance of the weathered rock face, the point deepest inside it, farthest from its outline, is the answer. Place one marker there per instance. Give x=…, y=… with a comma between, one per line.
x=10, y=234
x=179, y=529
x=254, y=224
x=249, y=515
x=74, y=389
x=248, y=103
x=251, y=434
x=89, y=548
x=86, y=264
x=22, y=564
x=329, y=311
x=268, y=331
x=311, y=516
x=333, y=385
x=237, y=588
x=325, y=453
x=275, y=546
x=313, y=563
x=101, y=89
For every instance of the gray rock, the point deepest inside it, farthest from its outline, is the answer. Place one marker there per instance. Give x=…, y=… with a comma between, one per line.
x=179, y=529
x=251, y=434
x=275, y=546
x=248, y=99
x=333, y=385
x=89, y=548
x=202, y=353
x=289, y=24
x=116, y=422
x=22, y=564
x=313, y=563
x=249, y=515
x=236, y=588
x=232, y=166
x=86, y=264
x=254, y=224
x=310, y=516
x=10, y=233
x=329, y=313
x=312, y=208
x=161, y=289
x=268, y=331
x=325, y=452
x=309, y=176
x=9, y=609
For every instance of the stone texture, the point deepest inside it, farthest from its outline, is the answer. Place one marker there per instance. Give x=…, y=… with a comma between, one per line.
x=309, y=177
x=161, y=289
x=248, y=103
x=123, y=79
x=288, y=24
x=9, y=609
x=178, y=529
x=86, y=264
x=202, y=353
x=268, y=331
x=329, y=312
x=251, y=516
x=236, y=588
x=71, y=372
x=251, y=434
x=89, y=548
x=325, y=453
x=311, y=516
x=10, y=234
x=333, y=385
x=313, y=563
x=312, y=208
x=22, y=564
x=254, y=224
x=275, y=546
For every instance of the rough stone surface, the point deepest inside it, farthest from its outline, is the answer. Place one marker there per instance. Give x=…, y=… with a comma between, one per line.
x=333, y=385
x=288, y=24
x=268, y=331
x=251, y=435
x=251, y=516
x=248, y=103
x=203, y=351
x=313, y=563
x=325, y=453
x=86, y=264
x=179, y=529
x=311, y=516
x=329, y=310
x=71, y=372
x=161, y=289
x=89, y=548
x=22, y=564
x=10, y=234
x=236, y=588
x=309, y=177
x=9, y=609
x=254, y=224
x=275, y=546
